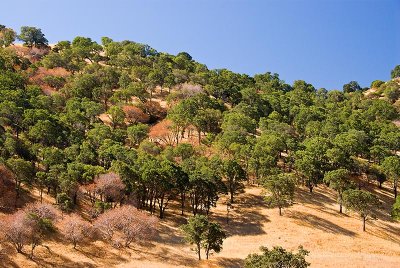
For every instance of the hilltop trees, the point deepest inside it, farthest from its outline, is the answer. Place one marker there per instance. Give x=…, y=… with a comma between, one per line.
x=395, y=72
x=352, y=86
x=7, y=36
x=32, y=36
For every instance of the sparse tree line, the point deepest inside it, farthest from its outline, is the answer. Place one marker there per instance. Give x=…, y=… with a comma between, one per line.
x=247, y=130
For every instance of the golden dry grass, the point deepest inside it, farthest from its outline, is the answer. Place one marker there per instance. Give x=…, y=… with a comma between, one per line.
x=334, y=240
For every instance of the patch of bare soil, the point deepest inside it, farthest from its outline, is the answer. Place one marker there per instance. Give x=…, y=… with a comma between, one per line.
x=333, y=239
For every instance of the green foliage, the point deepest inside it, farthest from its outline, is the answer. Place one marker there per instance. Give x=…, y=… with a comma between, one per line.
x=137, y=133
x=32, y=36
x=362, y=202
x=56, y=82
x=203, y=234
x=391, y=166
x=339, y=181
x=395, y=213
x=277, y=257
x=234, y=175
x=395, y=72
x=7, y=36
x=376, y=83
x=281, y=188
x=352, y=86
x=64, y=202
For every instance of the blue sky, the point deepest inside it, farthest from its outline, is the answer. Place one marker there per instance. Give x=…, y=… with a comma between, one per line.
x=324, y=42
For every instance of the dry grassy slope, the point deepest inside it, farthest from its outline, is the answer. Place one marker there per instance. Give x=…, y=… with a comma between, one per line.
x=334, y=240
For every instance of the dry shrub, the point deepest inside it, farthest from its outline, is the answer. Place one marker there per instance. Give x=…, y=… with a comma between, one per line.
x=76, y=230
x=16, y=230
x=135, y=115
x=154, y=110
x=110, y=187
x=29, y=226
x=123, y=225
x=161, y=133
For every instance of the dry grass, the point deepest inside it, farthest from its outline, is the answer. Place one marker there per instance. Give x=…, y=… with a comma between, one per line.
x=334, y=240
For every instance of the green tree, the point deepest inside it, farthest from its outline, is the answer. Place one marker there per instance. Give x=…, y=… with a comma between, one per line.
x=362, y=202
x=391, y=166
x=213, y=238
x=281, y=187
x=352, y=86
x=277, y=257
x=32, y=36
x=7, y=36
x=137, y=133
x=202, y=233
x=396, y=209
x=395, y=72
x=234, y=175
x=23, y=170
x=194, y=231
x=339, y=181
x=117, y=116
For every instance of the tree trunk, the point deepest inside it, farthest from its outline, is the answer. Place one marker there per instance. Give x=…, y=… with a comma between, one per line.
x=182, y=202
x=364, y=220
x=340, y=207
x=199, y=136
x=395, y=188
x=198, y=250
x=280, y=211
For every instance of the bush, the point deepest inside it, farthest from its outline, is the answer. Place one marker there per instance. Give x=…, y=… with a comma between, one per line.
x=56, y=82
x=395, y=72
x=75, y=229
x=396, y=209
x=64, y=202
x=377, y=83
x=277, y=257
x=123, y=225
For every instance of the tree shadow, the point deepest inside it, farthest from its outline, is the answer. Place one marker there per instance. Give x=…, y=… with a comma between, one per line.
x=317, y=197
x=230, y=262
x=313, y=221
x=96, y=253
x=387, y=199
x=243, y=218
x=388, y=232
x=5, y=257
x=165, y=256
x=63, y=262
x=169, y=235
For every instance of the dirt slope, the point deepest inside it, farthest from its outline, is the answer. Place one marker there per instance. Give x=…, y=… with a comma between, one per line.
x=334, y=240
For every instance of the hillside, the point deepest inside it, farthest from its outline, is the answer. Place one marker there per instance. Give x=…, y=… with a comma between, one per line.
x=111, y=154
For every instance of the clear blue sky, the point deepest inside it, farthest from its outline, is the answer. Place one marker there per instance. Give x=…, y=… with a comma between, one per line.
x=325, y=42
